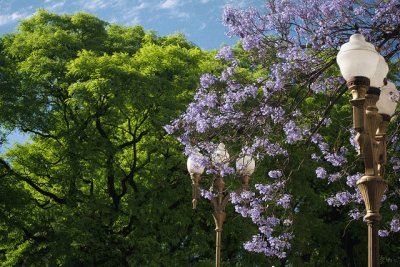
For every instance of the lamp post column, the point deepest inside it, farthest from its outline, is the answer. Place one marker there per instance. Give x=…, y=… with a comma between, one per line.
x=365, y=71
x=219, y=201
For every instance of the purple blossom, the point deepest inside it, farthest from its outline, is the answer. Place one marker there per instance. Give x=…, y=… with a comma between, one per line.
x=277, y=114
x=273, y=221
x=169, y=129
x=246, y=195
x=395, y=225
x=395, y=163
x=334, y=177
x=242, y=211
x=255, y=213
x=270, y=246
x=393, y=207
x=235, y=198
x=336, y=159
x=227, y=73
x=206, y=194
x=340, y=199
x=293, y=132
x=225, y=53
x=264, y=189
x=355, y=214
x=206, y=80
x=352, y=179
x=275, y=174
x=383, y=233
x=353, y=140
x=244, y=23
x=324, y=147
x=315, y=157
x=269, y=148
x=266, y=230
x=316, y=138
x=321, y=173
x=284, y=201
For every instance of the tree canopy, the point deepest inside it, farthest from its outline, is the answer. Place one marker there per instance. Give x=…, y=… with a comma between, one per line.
x=99, y=183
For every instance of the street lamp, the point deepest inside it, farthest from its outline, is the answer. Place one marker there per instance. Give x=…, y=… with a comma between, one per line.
x=245, y=167
x=365, y=71
x=195, y=169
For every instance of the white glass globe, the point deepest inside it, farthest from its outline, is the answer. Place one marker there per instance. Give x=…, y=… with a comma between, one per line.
x=221, y=155
x=380, y=74
x=245, y=165
x=194, y=165
x=386, y=104
x=357, y=58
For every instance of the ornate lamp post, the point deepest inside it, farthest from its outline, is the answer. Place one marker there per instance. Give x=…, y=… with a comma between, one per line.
x=365, y=71
x=244, y=166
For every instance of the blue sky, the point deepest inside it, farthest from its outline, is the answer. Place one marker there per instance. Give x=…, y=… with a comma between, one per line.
x=199, y=20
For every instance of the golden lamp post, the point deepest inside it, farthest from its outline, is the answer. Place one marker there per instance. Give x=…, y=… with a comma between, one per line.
x=365, y=71
x=245, y=167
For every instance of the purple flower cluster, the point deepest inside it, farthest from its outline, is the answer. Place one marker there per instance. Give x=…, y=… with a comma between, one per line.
x=269, y=245
x=225, y=53
x=395, y=225
x=293, y=132
x=383, y=233
x=352, y=180
x=321, y=173
x=206, y=194
x=340, y=199
x=206, y=80
x=355, y=214
x=245, y=23
x=395, y=161
x=275, y=174
x=271, y=240
x=334, y=177
x=284, y=201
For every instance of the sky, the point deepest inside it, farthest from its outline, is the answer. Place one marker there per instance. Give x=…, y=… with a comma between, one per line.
x=199, y=20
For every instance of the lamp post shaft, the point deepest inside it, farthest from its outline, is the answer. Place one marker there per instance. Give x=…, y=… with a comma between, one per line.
x=219, y=201
x=218, y=248
x=373, y=244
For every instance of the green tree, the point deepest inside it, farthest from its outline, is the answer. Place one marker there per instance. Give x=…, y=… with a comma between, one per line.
x=100, y=183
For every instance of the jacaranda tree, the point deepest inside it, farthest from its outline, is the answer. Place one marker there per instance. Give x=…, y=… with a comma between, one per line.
x=281, y=100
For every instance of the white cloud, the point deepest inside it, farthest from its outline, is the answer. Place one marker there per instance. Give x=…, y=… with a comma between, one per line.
x=10, y=18
x=131, y=15
x=202, y=26
x=55, y=6
x=179, y=14
x=169, y=4
x=96, y=4
x=140, y=7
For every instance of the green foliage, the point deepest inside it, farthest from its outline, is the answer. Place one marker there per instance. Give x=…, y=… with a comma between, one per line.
x=100, y=183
